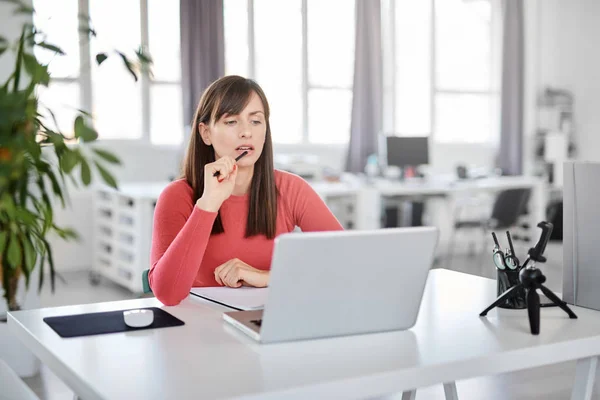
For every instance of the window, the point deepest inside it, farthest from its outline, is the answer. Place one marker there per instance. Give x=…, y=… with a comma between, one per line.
x=62, y=96
x=444, y=75
x=288, y=47
x=150, y=109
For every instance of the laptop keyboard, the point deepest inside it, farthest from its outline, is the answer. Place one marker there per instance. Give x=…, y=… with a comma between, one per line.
x=256, y=322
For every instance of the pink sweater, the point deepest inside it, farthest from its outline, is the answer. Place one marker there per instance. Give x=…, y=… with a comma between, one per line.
x=184, y=254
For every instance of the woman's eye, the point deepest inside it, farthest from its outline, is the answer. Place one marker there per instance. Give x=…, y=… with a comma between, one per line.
x=256, y=122
x=231, y=122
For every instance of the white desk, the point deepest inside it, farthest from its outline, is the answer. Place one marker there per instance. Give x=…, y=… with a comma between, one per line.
x=370, y=205
x=206, y=358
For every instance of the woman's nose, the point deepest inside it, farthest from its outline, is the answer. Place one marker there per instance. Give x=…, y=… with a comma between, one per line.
x=245, y=132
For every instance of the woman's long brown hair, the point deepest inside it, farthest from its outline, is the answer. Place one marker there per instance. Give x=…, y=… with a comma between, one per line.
x=230, y=95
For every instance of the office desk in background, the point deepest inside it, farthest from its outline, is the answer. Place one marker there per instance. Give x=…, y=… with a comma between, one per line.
x=370, y=197
x=207, y=358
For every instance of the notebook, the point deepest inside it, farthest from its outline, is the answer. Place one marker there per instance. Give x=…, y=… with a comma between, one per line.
x=244, y=298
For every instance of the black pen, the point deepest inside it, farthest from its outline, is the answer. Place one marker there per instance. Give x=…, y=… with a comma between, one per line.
x=236, y=159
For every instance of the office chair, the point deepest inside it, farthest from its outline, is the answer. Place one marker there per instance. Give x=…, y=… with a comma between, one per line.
x=146, y=282
x=508, y=206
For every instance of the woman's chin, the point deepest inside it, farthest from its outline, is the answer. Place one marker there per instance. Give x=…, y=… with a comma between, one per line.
x=243, y=163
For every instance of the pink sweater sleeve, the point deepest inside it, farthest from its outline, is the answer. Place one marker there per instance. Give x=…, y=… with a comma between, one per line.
x=310, y=212
x=179, y=239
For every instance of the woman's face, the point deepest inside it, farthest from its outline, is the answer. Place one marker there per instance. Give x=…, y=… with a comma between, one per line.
x=231, y=135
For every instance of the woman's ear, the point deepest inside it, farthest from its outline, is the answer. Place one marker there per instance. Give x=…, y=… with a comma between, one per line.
x=204, y=133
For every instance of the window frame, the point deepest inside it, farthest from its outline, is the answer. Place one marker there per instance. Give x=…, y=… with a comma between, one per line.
x=305, y=84
x=389, y=29
x=84, y=80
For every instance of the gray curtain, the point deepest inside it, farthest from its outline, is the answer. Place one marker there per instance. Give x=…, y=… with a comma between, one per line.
x=202, y=50
x=367, y=101
x=510, y=157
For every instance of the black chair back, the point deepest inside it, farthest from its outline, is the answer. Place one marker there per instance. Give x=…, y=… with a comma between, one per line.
x=509, y=205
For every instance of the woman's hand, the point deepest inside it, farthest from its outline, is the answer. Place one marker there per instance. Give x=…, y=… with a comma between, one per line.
x=235, y=273
x=217, y=189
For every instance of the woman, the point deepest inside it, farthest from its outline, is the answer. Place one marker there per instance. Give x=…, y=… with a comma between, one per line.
x=217, y=225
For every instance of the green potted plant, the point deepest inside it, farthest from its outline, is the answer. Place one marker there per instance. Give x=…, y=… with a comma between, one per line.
x=37, y=160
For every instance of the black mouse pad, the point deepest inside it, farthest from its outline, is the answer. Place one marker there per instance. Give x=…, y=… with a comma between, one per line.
x=105, y=322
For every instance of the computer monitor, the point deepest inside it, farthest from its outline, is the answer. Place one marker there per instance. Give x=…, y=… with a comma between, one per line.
x=402, y=151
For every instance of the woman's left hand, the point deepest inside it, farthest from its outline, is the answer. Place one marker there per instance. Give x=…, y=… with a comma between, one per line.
x=236, y=273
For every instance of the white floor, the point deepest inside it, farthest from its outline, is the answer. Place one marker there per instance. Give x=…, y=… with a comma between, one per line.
x=542, y=383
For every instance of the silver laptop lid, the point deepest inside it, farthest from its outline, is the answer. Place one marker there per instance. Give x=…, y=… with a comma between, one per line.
x=327, y=284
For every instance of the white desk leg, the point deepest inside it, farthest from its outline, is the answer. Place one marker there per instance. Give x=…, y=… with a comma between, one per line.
x=450, y=391
x=412, y=395
x=585, y=373
x=368, y=209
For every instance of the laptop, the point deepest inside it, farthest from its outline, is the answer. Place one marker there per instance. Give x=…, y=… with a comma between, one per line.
x=328, y=284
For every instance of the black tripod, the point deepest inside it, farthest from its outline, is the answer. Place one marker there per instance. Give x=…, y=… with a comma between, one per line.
x=531, y=279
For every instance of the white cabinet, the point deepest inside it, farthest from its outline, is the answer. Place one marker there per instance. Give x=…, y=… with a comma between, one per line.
x=123, y=232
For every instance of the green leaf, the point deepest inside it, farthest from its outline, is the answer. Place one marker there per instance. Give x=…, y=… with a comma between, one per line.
x=65, y=233
x=45, y=168
x=8, y=205
x=86, y=174
x=100, y=58
x=25, y=216
x=128, y=65
x=42, y=263
x=54, y=119
x=111, y=158
x=58, y=141
x=51, y=47
x=68, y=161
x=106, y=176
x=20, y=53
x=39, y=73
x=50, y=262
x=87, y=114
x=14, y=252
x=143, y=56
x=23, y=9
x=84, y=132
x=3, y=45
x=30, y=254
x=56, y=186
x=23, y=189
x=3, y=237
x=46, y=206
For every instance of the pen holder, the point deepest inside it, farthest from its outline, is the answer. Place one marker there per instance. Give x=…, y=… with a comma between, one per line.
x=506, y=280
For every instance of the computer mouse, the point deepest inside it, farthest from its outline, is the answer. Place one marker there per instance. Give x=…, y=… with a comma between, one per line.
x=138, y=318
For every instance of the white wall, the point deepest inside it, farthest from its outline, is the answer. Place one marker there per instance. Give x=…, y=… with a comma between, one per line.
x=569, y=58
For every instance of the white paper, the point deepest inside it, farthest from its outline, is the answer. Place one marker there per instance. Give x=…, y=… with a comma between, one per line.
x=243, y=298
